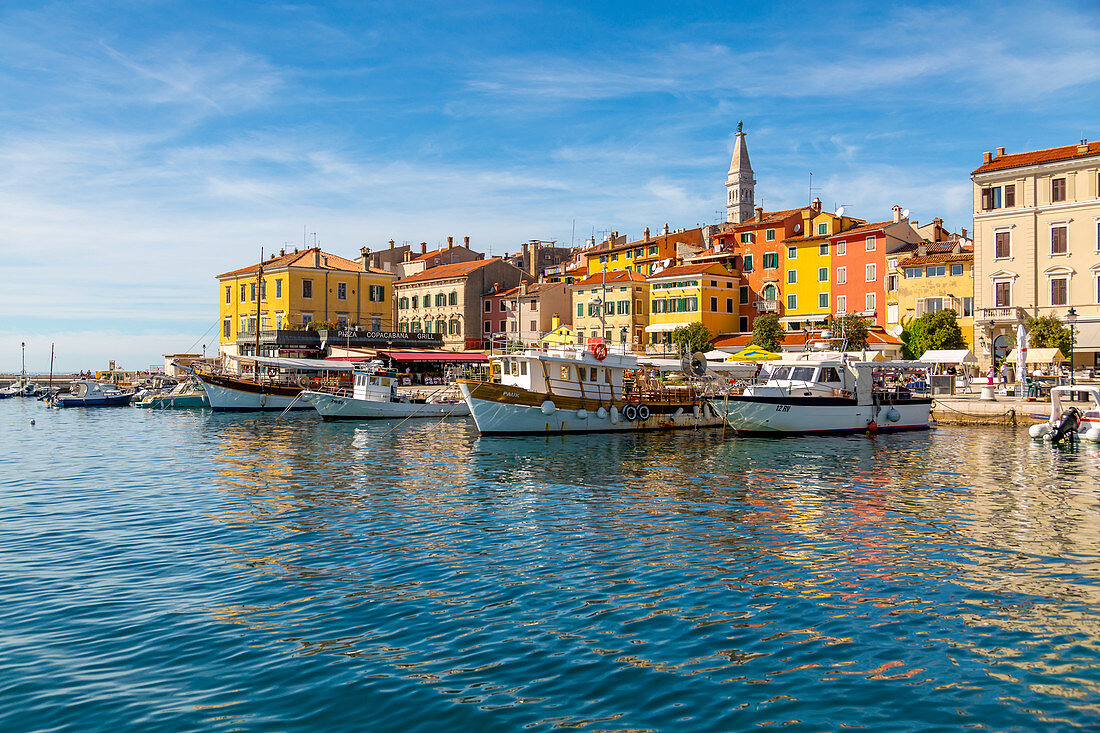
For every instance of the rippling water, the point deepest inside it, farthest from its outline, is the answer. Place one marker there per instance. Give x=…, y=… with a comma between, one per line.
x=178, y=570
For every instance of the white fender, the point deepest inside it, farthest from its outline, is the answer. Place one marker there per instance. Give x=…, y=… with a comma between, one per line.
x=548, y=408
x=892, y=415
x=1092, y=435
x=696, y=411
x=601, y=413
x=614, y=415
x=582, y=413
x=679, y=412
x=1038, y=430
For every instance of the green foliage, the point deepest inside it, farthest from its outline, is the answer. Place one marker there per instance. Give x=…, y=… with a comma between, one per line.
x=1048, y=332
x=852, y=327
x=692, y=337
x=767, y=333
x=938, y=330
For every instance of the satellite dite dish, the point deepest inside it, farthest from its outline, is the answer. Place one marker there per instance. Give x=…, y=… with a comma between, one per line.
x=905, y=213
x=798, y=227
x=698, y=364
x=840, y=211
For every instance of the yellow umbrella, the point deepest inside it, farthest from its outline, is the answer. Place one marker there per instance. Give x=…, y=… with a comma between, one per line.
x=753, y=353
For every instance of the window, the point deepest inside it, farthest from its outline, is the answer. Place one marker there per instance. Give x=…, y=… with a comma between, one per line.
x=792, y=253
x=743, y=324
x=342, y=320
x=841, y=275
x=770, y=293
x=937, y=270
x=870, y=302
x=823, y=228
x=307, y=318
x=747, y=264
x=891, y=282
x=278, y=287
x=263, y=289
x=713, y=304
x=653, y=249
x=842, y=304
x=892, y=263
x=243, y=326
x=769, y=235
x=227, y=324
x=746, y=238
x=580, y=310
x=252, y=292
x=307, y=289
x=376, y=323
x=1010, y=196
x=822, y=300
x=1058, y=241
x=956, y=270
x=792, y=277
x=729, y=305
x=932, y=305
x=968, y=307
x=1003, y=247
x=341, y=291
x=871, y=243
x=822, y=274
x=244, y=292
x=1058, y=189
x=1002, y=294
x=792, y=302
x=743, y=294
x=376, y=293
x=502, y=307
x=488, y=305
x=416, y=301
x=892, y=313
x=488, y=327
x=228, y=295
x=263, y=321
x=452, y=299
x=842, y=247
x=1058, y=291
x=870, y=272
x=771, y=260
x=823, y=249
x=911, y=272
x=623, y=308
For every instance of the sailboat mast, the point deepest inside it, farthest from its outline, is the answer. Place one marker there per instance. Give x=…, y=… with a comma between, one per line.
x=259, y=297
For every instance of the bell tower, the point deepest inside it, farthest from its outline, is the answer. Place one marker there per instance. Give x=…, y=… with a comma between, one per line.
x=740, y=184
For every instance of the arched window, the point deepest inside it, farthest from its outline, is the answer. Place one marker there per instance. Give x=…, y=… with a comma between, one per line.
x=769, y=292
x=415, y=327
x=454, y=298
x=441, y=327
x=416, y=302
x=454, y=325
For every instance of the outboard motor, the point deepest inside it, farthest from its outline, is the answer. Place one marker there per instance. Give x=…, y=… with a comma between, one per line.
x=1068, y=423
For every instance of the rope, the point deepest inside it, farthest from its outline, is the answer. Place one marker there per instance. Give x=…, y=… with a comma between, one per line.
x=291, y=404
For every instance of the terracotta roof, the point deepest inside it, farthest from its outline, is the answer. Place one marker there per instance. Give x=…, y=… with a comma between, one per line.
x=874, y=226
x=939, y=258
x=303, y=258
x=1035, y=157
x=673, y=237
x=615, y=276
x=532, y=289
x=441, y=272
x=856, y=223
x=685, y=270
x=768, y=217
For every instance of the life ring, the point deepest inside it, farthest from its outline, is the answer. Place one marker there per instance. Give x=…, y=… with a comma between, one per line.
x=303, y=382
x=872, y=427
x=630, y=413
x=643, y=413
x=272, y=371
x=599, y=351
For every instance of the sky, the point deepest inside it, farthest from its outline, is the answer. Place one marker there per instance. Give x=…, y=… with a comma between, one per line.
x=147, y=146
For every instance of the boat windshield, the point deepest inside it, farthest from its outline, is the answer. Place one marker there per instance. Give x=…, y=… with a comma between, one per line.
x=802, y=374
x=782, y=372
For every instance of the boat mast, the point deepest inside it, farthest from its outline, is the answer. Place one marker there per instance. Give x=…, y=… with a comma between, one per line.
x=259, y=297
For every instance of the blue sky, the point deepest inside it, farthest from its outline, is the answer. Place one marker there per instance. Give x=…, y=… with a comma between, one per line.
x=147, y=146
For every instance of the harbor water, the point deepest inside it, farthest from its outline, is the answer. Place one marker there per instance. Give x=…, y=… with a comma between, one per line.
x=179, y=570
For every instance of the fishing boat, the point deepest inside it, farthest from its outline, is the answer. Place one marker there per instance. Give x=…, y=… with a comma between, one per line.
x=189, y=394
x=374, y=396
x=1072, y=423
x=258, y=383
x=818, y=393
x=89, y=393
x=569, y=388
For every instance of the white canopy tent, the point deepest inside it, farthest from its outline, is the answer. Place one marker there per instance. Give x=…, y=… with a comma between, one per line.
x=1039, y=356
x=949, y=356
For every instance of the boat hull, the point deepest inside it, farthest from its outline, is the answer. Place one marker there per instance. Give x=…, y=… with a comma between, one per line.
x=816, y=415
x=112, y=401
x=178, y=402
x=335, y=407
x=507, y=410
x=231, y=395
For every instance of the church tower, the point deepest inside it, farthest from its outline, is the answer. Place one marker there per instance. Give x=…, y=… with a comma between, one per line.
x=740, y=185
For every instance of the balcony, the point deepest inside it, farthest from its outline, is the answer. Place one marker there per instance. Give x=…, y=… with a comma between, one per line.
x=766, y=306
x=1011, y=314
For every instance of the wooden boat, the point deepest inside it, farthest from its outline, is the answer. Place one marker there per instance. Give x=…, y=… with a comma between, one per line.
x=88, y=393
x=374, y=396
x=250, y=384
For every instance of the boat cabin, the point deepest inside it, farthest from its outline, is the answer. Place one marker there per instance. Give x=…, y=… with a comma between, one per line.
x=376, y=385
x=568, y=370
x=822, y=379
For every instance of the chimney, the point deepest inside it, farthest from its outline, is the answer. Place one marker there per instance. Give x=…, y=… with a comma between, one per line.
x=665, y=230
x=466, y=242
x=760, y=213
x=963, y=233
x=364, y=251
x=555, y=322
x=408, y=255
x=922, y=250
x=937, y=222
x=897, y=213
x=646, y=234
x=987, y=157
x=282, y=253
x=1000, y=152
x=423, y=248
x=391, y=244
x=316, y=257
x=816, y=204
x=913, y=223
x=533, y=263
x=450, y=242
x=1083, y=147
x=523, y=287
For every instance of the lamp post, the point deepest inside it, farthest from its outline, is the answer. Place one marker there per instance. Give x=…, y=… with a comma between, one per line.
x=23, y=346
x=992, y=344
x=1071, y=318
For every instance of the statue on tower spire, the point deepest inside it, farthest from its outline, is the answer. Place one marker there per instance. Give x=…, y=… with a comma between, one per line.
x=739, y=126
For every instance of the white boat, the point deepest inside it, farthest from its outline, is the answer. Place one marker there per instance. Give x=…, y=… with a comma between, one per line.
x=374, y=396
x=573, y=389
x=251, y=384
x=185, y=395
x=88, y=393
x=818, y=394
x=1071, y=423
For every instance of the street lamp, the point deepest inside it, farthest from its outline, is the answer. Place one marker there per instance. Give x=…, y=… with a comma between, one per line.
x=1071, y=318
x=23, y=346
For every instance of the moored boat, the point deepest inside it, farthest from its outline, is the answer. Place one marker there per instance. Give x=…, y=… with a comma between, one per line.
x=251, y=384
x=1071, y=423
x=374, y=396
x=819, y=395
x=573, y=389
x=88, y=393
x=185, y=395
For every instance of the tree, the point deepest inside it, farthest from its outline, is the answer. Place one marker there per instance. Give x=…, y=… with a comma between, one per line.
x=852, y=327
x=936, y=330
x=692, y=337
x=1047, y=332
x=767, y=333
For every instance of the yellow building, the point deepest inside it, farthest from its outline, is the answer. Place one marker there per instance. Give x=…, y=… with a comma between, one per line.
x=644, y=255
x=703, y=292
x=299, y=288
x=806, y=280
x=612, y=305
x=939, y=276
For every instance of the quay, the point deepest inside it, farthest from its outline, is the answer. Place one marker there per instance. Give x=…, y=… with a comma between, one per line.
x=969, y=409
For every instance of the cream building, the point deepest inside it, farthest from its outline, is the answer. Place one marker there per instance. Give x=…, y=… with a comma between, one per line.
x=614, y=305
x=1037, y=245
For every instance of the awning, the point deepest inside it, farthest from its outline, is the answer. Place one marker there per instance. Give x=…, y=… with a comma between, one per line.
x=662, y=327
x=819, y=318
x=468, y=357
x=949, y=356
x=1086, y=336
x=1038, y=356
x=302, y=365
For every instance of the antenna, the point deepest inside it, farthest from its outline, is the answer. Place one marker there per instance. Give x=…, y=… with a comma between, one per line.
x=810, y=198
x=905, y=213
x=839, y=211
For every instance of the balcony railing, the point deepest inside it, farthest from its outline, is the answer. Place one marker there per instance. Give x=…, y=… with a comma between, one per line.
x=766, y=306
x=1011, y=314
